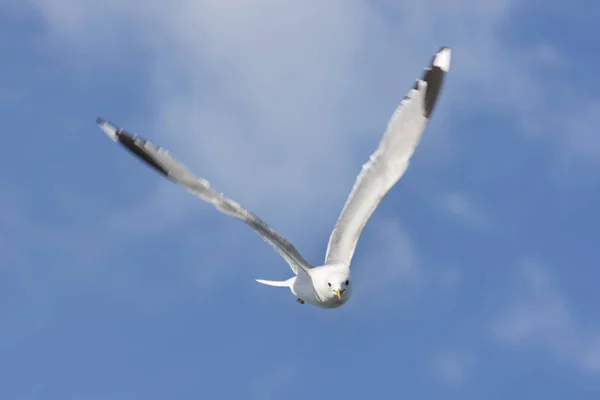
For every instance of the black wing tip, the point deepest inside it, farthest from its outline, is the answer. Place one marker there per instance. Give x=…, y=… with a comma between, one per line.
x=434, y=77
x=133, y=143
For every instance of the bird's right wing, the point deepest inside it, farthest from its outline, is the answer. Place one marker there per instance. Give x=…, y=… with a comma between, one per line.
x=162, y=161
x=389, y=162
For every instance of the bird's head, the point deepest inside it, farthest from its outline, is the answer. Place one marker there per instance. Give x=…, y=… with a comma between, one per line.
x=339, y=285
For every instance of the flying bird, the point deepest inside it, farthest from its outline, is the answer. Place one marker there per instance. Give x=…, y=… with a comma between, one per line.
x=329, y=285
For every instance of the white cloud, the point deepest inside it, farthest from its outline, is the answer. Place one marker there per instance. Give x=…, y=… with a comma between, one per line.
x=276, y=382
x=451, y=368
x=466, y=210
x=24, y=237
x=541, y=316
x=450, y=278
x=389, y=267
x=579, y=134
x=278, y=103
x=250, y=84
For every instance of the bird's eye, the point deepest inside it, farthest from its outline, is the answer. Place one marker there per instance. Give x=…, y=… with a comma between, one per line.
x=329, y=283
x=347, y=283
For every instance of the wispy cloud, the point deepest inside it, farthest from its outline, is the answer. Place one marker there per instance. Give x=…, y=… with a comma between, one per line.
x=276, y=382
x=451, y=368
x=280, y=117
x=23, y=235
x=465, y=210
x=243, y=88
x=450, y=278
x=579, y=134
x=541, y=316
x=392, y=259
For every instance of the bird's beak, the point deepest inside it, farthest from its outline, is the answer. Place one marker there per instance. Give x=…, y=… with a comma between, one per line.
x=338, y=293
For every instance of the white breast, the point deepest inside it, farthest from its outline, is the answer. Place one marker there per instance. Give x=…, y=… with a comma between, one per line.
x=303, y=289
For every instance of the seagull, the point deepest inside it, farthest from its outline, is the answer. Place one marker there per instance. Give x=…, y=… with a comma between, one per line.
x=330, y=285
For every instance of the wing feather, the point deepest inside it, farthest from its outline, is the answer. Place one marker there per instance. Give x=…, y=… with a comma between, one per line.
x=161, y=160
x=389, y=162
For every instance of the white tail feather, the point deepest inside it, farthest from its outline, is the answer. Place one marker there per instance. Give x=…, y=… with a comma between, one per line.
x=286, y=283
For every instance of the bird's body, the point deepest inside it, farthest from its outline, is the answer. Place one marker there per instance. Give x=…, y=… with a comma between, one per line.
x=313, y=289
x=329, y=285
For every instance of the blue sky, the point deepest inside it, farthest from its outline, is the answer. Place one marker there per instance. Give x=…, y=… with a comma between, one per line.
x=475, y=278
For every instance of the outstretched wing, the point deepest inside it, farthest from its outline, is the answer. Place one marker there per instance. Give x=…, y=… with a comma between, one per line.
x=389, y=162
x=162, y=161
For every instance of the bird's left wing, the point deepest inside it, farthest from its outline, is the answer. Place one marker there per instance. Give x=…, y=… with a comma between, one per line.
x=389, y=162
x=162, y=161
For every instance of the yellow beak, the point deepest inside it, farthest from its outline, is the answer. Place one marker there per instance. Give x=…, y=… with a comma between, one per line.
x=338, y=294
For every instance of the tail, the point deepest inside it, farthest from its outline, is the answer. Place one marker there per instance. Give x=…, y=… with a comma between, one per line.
x=286, y=283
